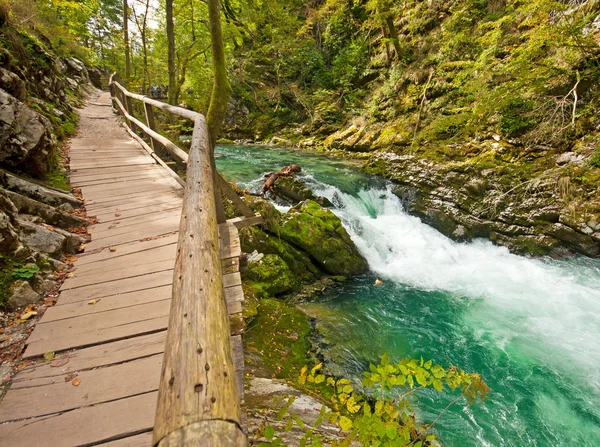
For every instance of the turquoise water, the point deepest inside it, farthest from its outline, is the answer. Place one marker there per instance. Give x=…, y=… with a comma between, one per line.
x=530, y=327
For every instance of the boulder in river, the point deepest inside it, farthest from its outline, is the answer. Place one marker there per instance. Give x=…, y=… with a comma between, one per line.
x=321, y=234
x=294, y=191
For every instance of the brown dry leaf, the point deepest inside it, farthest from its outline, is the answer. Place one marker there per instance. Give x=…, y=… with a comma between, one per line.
x=81, y=247
x=112, y=227
x=71, y=259
x=61, y=361
x=76, y=382
x=70, y=377
x=118, y=215
x=113, y=249
x=94, y=301
x=28, y=315
x=70, y=275
x=48, y=227
x=50, y=302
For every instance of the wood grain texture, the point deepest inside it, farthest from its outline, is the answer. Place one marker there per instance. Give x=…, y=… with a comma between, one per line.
x=197, y=382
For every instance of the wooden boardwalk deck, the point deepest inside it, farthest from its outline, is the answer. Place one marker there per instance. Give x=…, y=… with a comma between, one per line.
x=109, y=325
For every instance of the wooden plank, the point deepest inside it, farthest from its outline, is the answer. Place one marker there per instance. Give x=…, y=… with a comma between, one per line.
x=156, y=185
x=238, y=360
x=145, y=282
x=129, y=196
x=126, y=226
x=96, y=322
x=111, y=420
x=131, y=161
x=96, y=386
x=123, y=261
x=92, y=338
x=89, y=278
x=128, y=221
x=110, y=215
x=232, y=279
x=111, y=179
x=131, y=185
x=142, y=440
x=141, y=201
x=95, y=357
x=77, y=309
x=126, y=249
x=158, y=228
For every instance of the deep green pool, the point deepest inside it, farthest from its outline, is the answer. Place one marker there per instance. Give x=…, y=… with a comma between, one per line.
x=531, y=328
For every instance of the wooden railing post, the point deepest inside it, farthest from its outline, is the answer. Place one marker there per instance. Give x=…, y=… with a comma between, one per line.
x=150, y=121
x=198, y=402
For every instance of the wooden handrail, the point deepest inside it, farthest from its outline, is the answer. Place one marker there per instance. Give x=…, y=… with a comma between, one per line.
x=198, y=399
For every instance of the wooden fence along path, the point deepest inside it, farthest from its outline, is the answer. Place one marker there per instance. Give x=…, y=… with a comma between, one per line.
x=118, y=373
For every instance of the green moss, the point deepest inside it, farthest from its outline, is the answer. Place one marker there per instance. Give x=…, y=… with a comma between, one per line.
x=11, y=271
x=254, y=238
x=279, y=335
x=320, y=233
x=269, y=277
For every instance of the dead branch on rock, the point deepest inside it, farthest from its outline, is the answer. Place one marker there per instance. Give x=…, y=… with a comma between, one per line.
x=271, y=178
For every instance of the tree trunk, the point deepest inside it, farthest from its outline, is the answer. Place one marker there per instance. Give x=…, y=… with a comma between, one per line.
x=394, y=36
x=126, y=42
x=171, y=52
x=221, y=89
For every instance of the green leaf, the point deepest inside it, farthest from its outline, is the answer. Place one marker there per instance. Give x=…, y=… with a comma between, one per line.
x=437, y=384
x=428, y=364
x=299, y=421
x=320, y=378
x=345, y=424
x=411, y=382
x=269, y=432
x=49, y=356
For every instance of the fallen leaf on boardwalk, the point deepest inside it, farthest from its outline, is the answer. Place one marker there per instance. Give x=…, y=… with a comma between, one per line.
x=94, y=301
x=70, y=377
x=28, y=315
x=118, y=215
x=113, y=249
x=70, y=275
x=76, y=382
x=71, y=259
x=81, y=247
x=62, y=361
x=50, y=302
x=112, y=226
x=49, y=356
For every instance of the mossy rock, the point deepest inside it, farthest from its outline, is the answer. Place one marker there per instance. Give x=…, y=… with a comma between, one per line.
x=321, y=234
x=295, y=191
x=254, y=238
x=270, y=277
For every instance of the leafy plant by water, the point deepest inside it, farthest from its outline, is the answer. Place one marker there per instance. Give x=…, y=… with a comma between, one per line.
x=386, y=417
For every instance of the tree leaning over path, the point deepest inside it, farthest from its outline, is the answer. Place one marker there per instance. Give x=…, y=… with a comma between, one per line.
x=221, y=90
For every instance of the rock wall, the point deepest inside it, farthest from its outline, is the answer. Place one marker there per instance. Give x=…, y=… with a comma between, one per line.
x=542, y=215
x=39, y=225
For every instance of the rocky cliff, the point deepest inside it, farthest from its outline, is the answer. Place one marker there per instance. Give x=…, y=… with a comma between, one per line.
x=40, y=224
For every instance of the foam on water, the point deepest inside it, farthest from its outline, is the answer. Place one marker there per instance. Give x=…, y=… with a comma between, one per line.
x=554, y=306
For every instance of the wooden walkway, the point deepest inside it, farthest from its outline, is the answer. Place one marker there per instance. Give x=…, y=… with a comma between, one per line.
x=109, y=325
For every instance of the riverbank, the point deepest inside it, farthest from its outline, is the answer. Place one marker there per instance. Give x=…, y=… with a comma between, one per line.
x=526, y=325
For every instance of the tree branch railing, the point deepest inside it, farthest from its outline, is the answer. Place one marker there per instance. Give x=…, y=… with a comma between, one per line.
x=198, y=400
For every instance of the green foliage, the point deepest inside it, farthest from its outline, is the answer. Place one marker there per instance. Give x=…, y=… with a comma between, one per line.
x=386, y=417
x=594, y=159
x=515, y=116
x=11, y=271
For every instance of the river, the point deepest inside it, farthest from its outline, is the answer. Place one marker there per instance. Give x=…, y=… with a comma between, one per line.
x=530, y=327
